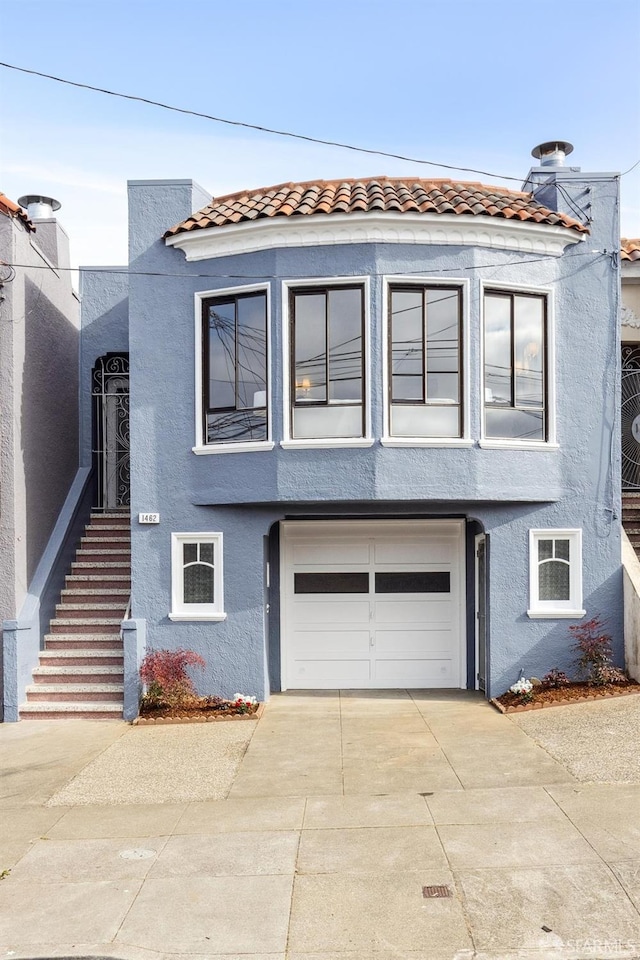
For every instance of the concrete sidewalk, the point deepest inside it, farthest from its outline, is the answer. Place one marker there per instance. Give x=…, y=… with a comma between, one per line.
x=344, y=809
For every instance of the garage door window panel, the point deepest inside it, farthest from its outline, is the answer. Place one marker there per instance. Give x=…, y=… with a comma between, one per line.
x=413, y=582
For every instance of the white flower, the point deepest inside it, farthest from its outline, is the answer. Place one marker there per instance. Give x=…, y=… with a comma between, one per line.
x=521, y=686
x=242, y=698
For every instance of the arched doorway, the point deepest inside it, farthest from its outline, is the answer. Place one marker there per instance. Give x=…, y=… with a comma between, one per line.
x=110, y=393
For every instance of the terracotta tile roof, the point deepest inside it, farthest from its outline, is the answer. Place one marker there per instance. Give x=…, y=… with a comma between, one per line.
x=375, y=195
x=630, y=249
x=11, y=209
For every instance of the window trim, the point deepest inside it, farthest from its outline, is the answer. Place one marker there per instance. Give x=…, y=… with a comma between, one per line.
x=554, y=609
x=497, y=443
x=200, y=611
x=324, y=283
x=200, y=447
x=463, y=284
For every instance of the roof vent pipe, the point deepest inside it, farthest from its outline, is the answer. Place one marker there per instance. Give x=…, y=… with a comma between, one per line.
x=39, y=207
x=552, y=153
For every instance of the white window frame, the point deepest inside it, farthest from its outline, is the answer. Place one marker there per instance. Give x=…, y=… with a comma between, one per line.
x=196, y=611
x=424, y=280
x=556, y=609
x=200, y=447
x=497, y=443
x=326, y=442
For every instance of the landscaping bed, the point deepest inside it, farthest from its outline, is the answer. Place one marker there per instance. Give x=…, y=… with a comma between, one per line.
x=199, y=710
x=543, y=696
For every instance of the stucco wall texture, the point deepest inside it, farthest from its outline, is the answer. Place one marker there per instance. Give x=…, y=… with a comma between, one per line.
x=509, y=491
x=39, y=320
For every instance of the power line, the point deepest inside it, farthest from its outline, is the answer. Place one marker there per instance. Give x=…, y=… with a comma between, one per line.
x=272, y=276
x=263, y=129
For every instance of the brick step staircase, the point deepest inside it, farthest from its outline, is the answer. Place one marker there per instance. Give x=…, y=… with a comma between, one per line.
x=80, y=670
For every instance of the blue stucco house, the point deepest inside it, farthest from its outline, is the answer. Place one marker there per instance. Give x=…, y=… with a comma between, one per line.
x=374, y=425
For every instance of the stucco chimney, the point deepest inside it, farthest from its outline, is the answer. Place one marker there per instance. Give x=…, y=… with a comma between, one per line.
x=552, y=153
x=50, y=236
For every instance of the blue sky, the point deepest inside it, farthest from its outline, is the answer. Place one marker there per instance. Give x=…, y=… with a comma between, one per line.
x=476, y=84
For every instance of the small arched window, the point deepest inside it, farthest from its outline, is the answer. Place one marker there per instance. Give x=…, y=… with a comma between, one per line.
x=555, y=573
x=196, y=574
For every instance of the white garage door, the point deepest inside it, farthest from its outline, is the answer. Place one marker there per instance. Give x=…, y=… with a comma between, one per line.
x=373, y=604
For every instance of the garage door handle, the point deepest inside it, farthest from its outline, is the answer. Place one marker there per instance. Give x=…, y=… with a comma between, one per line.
x=371, y=640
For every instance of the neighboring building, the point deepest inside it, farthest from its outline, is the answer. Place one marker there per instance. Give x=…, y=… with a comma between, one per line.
x=39, y=321
x=630, y=341
x=372, y=437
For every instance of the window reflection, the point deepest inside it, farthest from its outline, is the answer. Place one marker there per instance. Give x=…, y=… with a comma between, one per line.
x=514, y=366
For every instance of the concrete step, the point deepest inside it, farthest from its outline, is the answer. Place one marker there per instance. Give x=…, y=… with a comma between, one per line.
x=78, y=641
x=77, y=611
x=75, y=692
x=67, y=711
x=102, y=554
x=95, y=567
x=78, y=674
x=81, y=657
x=85, y=625
x=81, y=594
x=90, y=580
x=108, y=543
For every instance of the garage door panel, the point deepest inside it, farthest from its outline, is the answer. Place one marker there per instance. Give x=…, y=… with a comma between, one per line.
x=415, y=673
x=378, y=605
x=340, y=673
x=330, y=552
x=414, y=611
x=328, y=610
x=431, y=642
x=335, y=644
x=414, y=551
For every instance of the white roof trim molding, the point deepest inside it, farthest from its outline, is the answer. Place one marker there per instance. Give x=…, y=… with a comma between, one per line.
x=330, y=229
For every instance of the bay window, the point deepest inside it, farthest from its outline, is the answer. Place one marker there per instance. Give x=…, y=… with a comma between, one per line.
x=235, y=368
x=515, y=366
x=425, y=360
x=327, y=362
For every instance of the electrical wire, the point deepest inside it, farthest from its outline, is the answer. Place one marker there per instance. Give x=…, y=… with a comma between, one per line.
x=260, y=128
x=266, y=276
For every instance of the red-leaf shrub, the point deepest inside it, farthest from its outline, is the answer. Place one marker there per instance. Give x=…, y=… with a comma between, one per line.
x=593, y=646
x=164, y=673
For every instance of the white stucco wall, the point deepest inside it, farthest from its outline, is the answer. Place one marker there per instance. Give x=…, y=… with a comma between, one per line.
x=631, y=566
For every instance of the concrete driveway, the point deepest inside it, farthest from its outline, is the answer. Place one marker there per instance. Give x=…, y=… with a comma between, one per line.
x=358, y=826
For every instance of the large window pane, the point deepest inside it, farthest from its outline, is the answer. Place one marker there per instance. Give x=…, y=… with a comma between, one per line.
x=511, y=424
x=310, y=347
x=237, y=426
x=407, y=345
x=529, y=350
x=252, y=351
x=345, y=344
x=497, y=350
x=222, y=356
x=443, y=314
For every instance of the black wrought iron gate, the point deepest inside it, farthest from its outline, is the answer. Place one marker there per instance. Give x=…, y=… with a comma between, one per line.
x=110, y=391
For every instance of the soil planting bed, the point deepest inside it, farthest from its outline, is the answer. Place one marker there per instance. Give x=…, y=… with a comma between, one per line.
x=203, y=710
x=561, y=696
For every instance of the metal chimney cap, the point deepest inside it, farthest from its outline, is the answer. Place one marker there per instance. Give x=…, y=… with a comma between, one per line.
x=552, y=147
x=31, y=198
